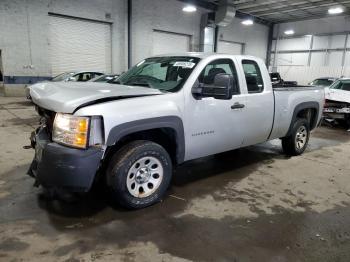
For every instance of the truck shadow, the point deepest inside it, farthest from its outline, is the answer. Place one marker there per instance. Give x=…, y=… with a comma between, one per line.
x=192, y=179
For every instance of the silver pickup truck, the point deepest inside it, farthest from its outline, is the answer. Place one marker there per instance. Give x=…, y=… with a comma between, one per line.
x=162, y=112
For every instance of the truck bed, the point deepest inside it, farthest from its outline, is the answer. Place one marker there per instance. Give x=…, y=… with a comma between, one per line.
x=291, y=98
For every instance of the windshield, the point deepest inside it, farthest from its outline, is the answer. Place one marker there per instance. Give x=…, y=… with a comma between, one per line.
x=341, y=85
x=62, y=77
x=322, y=82
x=162, y=73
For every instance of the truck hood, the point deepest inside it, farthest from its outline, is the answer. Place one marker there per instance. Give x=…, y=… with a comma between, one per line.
x=66, y=97
x=337, y=95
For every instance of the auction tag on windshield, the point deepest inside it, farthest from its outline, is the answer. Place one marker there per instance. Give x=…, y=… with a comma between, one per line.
x=185, y=64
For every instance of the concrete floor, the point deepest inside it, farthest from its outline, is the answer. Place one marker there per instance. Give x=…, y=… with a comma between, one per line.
x=252, y=204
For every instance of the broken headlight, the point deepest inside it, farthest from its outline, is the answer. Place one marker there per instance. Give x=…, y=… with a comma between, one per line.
x=71, y=130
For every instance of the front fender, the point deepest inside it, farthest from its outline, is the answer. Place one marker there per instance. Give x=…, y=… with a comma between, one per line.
x=173, y=122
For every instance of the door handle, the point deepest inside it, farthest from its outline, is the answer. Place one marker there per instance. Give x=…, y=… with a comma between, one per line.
x=237, y=106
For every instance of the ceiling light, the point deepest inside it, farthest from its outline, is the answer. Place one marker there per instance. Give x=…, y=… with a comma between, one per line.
x=289, y=32
x=189, y=9
x=335, y=10
x=248, y=22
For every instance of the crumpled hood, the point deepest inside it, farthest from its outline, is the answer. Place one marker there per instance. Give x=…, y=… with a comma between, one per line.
x=337, y=95
x=66, y=97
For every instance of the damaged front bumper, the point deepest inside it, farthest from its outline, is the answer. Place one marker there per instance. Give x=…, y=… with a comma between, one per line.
x=57, y=166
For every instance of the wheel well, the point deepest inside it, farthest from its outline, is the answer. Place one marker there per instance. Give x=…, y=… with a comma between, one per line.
x=310, y=114
x=166, y=137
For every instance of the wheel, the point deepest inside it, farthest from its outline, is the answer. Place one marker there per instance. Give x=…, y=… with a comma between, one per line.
x=139, y=174
x=296, y=143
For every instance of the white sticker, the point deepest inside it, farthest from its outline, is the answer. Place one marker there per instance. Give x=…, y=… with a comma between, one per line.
x=185, y=64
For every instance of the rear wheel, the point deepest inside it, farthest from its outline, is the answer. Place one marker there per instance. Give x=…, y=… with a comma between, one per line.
x=139, y=174
x=296, y=143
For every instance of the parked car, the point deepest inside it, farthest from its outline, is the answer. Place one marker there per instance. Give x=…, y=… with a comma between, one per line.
x=104, y=78
x=337, y=106
x=323, y=81
x=166, y=110
x=277, y=81
x=81, y=76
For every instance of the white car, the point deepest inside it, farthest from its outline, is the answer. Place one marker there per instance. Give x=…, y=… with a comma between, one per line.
x=162, y=112
x=80, y=76
x=337, y=104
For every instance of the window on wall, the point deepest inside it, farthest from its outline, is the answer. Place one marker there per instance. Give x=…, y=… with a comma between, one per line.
x=253, y=77
x=220, y=66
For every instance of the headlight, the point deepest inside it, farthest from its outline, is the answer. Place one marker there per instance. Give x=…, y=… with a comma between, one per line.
x=71, y=130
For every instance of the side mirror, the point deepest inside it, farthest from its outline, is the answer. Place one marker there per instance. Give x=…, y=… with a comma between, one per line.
x=221, y=89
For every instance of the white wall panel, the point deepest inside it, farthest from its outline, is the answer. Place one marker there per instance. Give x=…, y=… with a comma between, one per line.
x=347, y=58
x=230, y=48
x=337, y=41
x=292, y=59
x=320, y=42
x=335, y=58
x=300, y=43
x=165, y=43
x=318, y=59
x=346, y=72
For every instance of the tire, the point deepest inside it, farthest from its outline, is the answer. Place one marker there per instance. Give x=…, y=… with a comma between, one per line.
x=293, y=146
x=139, y=174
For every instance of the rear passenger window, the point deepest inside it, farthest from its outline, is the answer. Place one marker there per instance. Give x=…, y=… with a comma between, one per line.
x=255, y=83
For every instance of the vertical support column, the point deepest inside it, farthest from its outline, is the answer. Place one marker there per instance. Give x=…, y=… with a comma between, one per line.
x=269, y=46
x=129, y=33
x=310, y=50
x=274, y=66
x=344, y=55
x=327, y=54
x=1, y=77
x=216, y=37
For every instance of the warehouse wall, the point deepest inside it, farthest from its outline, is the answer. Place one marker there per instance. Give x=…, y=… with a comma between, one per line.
x=254, y=38
x=319, y=48
x=24, y=50
x=162, y=15
x=25, y=42
x=24, y=36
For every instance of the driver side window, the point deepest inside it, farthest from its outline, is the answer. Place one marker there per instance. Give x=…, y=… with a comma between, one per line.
x=220, y=66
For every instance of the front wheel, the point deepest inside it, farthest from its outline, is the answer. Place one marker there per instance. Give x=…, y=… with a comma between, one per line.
x=296, y=143
x=139, y=174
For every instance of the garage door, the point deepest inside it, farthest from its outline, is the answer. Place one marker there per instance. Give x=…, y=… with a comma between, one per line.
x=231, y=48
x=164, y=43
x=79, y=45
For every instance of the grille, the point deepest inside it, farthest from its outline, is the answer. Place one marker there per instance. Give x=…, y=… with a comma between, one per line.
x=47, y=118
x=335, y=104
